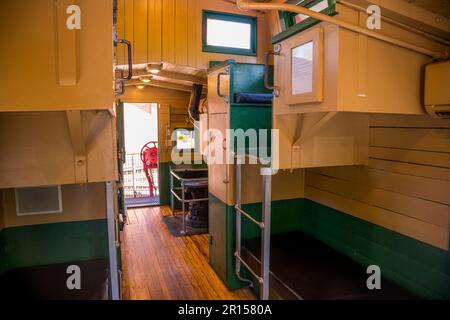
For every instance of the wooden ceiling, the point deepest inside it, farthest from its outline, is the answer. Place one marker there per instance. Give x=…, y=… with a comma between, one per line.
x=441, y=7
x=171, y=76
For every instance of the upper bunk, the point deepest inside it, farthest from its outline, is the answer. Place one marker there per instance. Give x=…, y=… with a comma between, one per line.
x=333, y=69
x=238, y=90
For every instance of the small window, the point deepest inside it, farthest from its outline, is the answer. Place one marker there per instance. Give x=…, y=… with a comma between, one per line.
x=317, y=6
x=229, y=33
x=184, y=139
x=293, y=23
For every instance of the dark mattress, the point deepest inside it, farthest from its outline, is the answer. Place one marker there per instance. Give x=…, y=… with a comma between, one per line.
x=253, y=98
x=49, y=282
x=305, y=268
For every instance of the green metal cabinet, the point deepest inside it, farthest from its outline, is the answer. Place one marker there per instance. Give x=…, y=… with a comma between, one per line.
x=218, y=237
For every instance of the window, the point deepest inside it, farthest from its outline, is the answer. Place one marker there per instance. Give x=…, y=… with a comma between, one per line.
x=316, y=5
x=229, y=33
x=302, y=68
x=184, y=139
x=293, y=23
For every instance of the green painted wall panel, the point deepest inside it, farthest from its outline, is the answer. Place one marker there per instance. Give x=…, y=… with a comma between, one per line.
x=249, y=78
x=164, y=183
x=419, y=267
x=252, y=117
x=2, y=251
x=53, y=243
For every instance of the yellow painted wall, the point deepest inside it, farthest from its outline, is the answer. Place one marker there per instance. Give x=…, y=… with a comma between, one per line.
x=405, y=187
x=36, y=148
x=80, y=203
x=171, y=31
x=45, y=66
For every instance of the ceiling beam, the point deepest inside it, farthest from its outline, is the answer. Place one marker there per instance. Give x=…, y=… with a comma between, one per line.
x=410, y=14
x=160, y=84
x=172, y=76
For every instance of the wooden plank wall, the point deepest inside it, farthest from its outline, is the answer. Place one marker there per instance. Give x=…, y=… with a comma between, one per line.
x=171, y=31
x=405, y=187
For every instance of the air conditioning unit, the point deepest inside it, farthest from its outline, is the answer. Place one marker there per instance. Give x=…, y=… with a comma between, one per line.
x=437, y=89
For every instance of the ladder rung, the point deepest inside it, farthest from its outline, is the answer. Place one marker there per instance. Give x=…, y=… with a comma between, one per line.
x=260, y=224
x=260, y=280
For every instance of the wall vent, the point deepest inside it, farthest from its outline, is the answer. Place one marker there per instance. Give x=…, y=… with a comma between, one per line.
x=38, y=200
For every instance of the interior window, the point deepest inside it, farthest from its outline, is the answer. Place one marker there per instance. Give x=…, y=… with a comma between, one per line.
x=318, y=7
x=185, y=139
x=301, y=21
x=229, y=33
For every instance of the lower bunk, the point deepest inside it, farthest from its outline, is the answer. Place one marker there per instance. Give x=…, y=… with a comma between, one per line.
x=50, y=282
x=303, y=267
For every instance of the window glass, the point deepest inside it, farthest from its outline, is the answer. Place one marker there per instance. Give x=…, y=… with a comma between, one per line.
x=185, y=139
x=302, y=68
x=318, y=7
x=229, y=34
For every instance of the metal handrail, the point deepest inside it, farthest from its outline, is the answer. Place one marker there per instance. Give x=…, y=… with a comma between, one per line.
x=219, y=76
x=260, y=280
x=265, y=233
x=182, y=199
x=260, y=224
x=276, y=51
x=176, y=176
x=186, y=201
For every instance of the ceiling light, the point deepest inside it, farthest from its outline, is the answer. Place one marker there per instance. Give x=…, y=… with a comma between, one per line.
x=145, y=79
x=154, y=68
x=140, y=86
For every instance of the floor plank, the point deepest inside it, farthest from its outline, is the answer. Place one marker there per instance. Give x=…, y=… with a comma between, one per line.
x=158, y=266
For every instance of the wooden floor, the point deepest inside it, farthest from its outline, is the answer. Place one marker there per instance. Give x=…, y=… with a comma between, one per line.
x=158, y=266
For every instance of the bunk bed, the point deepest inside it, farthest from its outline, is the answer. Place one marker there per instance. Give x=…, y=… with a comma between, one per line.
x=32, y=283
x=302, y=267
x=281, y=262
x=319, y=126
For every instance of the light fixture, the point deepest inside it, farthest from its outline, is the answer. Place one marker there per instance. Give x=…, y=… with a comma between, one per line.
x=145, y=79
x=154, y=68
x=140, y=86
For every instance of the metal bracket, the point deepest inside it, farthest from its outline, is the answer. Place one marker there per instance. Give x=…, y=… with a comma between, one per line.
x=311, y=132
x=79, y=148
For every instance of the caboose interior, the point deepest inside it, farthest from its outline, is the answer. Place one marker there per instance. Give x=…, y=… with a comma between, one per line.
x=222, y=149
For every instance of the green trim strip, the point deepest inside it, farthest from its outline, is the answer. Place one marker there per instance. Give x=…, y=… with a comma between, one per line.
x=414, y=265
x=48, y=244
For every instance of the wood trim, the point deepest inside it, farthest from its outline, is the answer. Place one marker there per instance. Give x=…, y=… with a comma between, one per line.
x=428, y=233
x=420, y=209
x=67, y=47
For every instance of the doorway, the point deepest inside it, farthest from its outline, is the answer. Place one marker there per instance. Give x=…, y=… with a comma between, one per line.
x=140, y=171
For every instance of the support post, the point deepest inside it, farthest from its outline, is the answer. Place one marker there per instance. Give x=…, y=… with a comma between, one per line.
x=238, y=214
x=265, y=240
x=183, y=206
x=112, y=243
